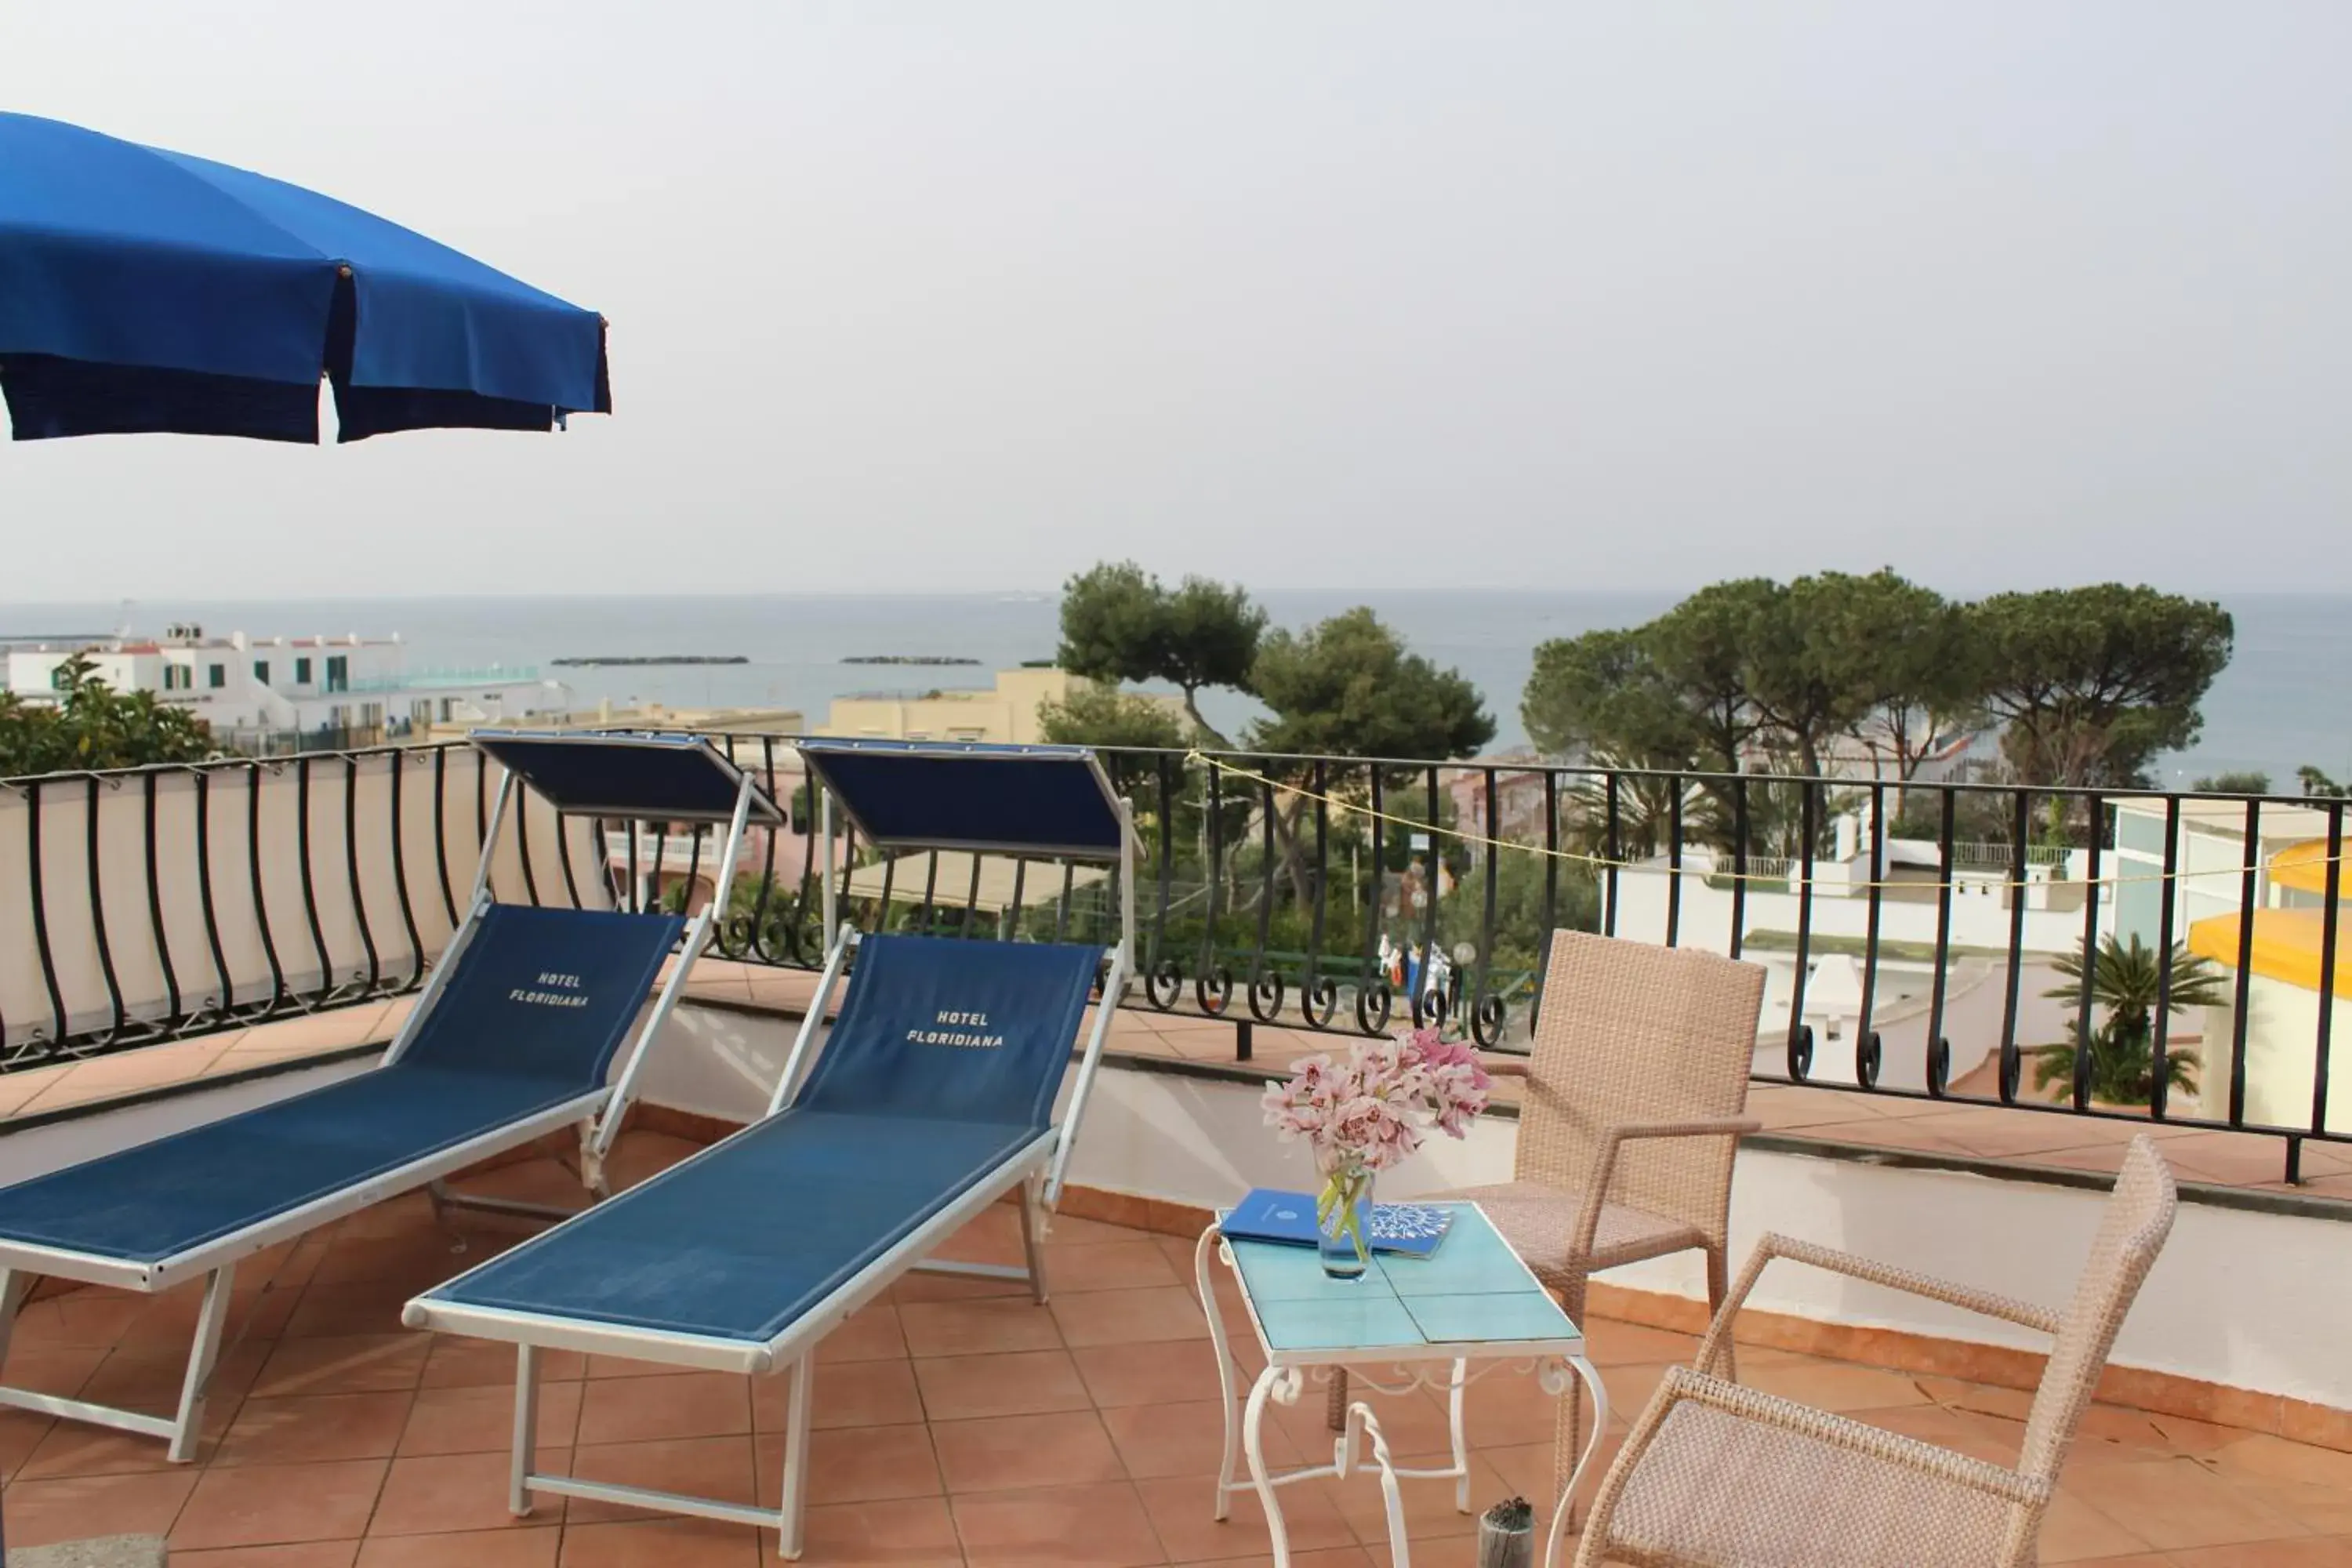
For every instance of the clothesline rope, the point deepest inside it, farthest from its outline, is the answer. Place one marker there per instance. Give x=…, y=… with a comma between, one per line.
x=1603, y=863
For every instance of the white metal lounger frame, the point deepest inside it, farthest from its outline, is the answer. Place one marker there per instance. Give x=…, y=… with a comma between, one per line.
x=598, y=1112
x=1037, y=1167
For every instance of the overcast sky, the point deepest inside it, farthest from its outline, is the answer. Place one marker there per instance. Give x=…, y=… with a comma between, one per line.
x=969, y=295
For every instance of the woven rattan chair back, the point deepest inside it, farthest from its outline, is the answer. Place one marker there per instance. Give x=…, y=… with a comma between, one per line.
x=2139, y=1217
x=1630, y=1032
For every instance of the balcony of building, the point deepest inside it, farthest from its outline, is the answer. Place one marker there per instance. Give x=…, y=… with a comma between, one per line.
x=184, y=942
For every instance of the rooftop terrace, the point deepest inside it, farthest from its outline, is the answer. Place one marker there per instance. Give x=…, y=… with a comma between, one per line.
x=957, y=1427
x=957, y=1423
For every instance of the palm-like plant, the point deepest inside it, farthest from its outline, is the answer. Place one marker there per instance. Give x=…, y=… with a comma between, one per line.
x=91, y=725
x=1646, y=808
x=2124, y=984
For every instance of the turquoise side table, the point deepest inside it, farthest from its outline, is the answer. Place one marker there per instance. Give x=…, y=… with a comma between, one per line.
x=1408, y=1323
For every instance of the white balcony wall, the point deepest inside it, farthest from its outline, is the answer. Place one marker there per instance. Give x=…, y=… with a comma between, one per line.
x=2246, y=1299
x=2250, y=1300
x=1841, y=911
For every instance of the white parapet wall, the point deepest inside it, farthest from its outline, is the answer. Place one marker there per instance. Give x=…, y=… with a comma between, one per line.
x=2246, y=1299
x=2250, y=1300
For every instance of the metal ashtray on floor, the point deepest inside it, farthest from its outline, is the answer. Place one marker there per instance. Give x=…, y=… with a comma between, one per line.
x=1506, y=1535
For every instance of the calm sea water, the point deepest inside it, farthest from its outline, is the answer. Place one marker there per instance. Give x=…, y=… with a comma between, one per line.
x=2285, y=700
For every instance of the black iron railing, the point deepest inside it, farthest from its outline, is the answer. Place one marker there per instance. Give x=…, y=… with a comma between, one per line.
x=168, y=902
x=2130, y=955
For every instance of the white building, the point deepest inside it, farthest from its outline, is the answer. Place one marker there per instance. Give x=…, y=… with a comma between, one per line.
x=2282, y=955
x=1698, y=904
x=1858, y=760
x=257, y=692
x=1005, y=712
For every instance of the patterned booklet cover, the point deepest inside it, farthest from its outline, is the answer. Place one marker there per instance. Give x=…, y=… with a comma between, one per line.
x=1413, y=1229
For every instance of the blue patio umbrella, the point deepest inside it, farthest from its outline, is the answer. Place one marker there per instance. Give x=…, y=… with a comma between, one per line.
x=147, y=291
x=143, y=290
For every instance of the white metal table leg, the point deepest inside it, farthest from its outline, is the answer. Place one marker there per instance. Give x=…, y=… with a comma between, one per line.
x=1361, y=1420
x=796, y=1468
x=1228, y=1398
x=1559, y=1384
x=211, y=1319
x=1278, y=1536
x=526, y=1430
x=1454, y=1412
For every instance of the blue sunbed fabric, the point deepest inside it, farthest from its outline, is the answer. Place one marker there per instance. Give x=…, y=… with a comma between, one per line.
x=737, y=1242
x=538, y=1003
x=954, y=1031
x=668, y=777
x=896, y=1123
x=1045, y=800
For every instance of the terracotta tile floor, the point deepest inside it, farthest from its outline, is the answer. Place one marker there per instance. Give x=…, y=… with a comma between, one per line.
x=955, y=1425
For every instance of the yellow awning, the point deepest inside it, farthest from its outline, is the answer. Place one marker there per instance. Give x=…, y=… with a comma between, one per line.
x=2302, y=866
x=2286, y=946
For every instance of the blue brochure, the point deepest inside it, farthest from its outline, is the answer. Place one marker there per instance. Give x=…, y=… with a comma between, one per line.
x=1412, y=1230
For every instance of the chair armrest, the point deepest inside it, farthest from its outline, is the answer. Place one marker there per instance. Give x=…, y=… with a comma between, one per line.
x=2007, y=1308
x=1506, y=1067
x=1604, y=1161
x=1704, y=1127
x=1683, y=1384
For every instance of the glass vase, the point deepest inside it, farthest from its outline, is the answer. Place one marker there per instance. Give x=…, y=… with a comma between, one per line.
x=1343, y=1222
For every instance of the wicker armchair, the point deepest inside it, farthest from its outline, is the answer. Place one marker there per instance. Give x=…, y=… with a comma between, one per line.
x=1718, y=1475
x=1635, y=1084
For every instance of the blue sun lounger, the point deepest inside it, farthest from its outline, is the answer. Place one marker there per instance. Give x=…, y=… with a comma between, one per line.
x=514, y=1036
x=933, y=1097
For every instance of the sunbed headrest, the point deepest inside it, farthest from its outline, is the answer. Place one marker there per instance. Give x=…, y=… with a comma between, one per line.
x=545, y=992
x=672, y=778
x=1050, y=801
x=954, y=1031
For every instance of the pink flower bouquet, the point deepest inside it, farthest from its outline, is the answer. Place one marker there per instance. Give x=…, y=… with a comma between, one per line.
x=1363, y=1115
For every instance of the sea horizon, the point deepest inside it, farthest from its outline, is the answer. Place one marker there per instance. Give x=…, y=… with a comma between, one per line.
x=2280, y=704
x=1051, y=590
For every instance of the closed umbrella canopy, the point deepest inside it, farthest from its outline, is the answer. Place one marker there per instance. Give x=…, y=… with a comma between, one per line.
x=147, y=291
